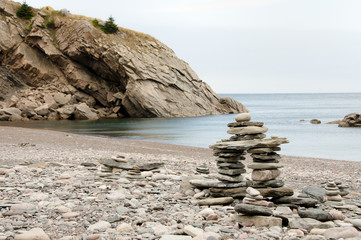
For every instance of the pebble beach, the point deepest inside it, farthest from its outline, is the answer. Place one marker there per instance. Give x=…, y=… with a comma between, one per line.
x=50, y=188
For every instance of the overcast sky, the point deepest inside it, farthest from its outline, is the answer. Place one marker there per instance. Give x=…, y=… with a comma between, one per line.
x=248, y=46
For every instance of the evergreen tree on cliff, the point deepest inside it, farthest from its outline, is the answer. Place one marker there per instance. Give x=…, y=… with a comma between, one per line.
x=25, y=11
x=110, y=26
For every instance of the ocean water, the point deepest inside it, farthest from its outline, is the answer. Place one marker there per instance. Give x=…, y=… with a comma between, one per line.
x=281, y=113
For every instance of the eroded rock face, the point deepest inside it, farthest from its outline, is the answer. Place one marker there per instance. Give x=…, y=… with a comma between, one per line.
x=124, y=74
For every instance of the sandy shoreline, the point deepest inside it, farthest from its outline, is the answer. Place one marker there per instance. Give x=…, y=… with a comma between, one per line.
x=19, y=145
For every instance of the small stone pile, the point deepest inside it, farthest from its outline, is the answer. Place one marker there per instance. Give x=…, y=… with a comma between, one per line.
x=332, y=192
x=254, y=197
x=112, y=168
x=343, y=188
x=255, y=211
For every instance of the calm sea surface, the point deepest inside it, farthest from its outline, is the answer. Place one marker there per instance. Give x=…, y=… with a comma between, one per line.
x=281, y=113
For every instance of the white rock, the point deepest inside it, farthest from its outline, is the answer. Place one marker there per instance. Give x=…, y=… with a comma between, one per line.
x=243, y=117
x=23, y=207
x=147, y=173
x=115, y=196
x=63, y=209
x=158, y=176
x=33, y=234
x=253, y=192
x=208, y=235
x=206, y=212
x=124, y=227
x=192, y=231
x=160, y=229
x=100, y=226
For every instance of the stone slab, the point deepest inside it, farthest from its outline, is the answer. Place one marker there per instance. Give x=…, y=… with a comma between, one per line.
x=216, y=201
x=258, y=221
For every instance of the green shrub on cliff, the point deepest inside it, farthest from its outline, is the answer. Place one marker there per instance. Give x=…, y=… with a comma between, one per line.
x=110, y=26
x=25, y=11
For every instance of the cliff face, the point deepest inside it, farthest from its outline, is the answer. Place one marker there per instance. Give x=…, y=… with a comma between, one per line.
x=73, y=63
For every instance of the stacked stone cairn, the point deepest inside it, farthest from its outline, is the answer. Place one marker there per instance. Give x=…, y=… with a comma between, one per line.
x=247, y=136
x=333, y=192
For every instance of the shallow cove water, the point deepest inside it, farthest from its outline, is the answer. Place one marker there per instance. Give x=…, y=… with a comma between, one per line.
x=281, y=113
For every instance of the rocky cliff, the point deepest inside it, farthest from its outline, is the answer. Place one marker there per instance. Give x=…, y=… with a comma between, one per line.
x=72, y=70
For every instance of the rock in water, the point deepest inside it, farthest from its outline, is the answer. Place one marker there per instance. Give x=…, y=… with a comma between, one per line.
x=127, y=73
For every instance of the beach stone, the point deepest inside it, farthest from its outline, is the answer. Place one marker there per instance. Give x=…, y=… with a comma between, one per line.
x=318, y=231
x=276, y=192
x=93, y=237
x=276, y=183
x=314, y=237
x=124, y=227
x=100, y=226
x=23, y=207
x=205, y=183
x=247, y=137
x=336, y=198
x=258, y=221
x=230, y=165
x=228, y=192
x=305, y=202
x=69, y=215
x=252, y=209
x=315, y=213
x=257, y=203
x=244, y=124
x=116, y=196
x=192, y=231
x=253, y=192
x=227, y=178
x=283, y=211
x=263, y=150
x=247, y=130
x=231, y=172
x=265, y=156
x=265, y=175
x=208, y=236
x=262, y=166
x=216, y=201
x=337, y=215
x=356, y=222
x=175, y=237
x=206, y=212
x=315, y=192
x=340, y=223
x=243, y=117
x=341, y=232
x=304, y=223
x=33, y=234
x=295, y=232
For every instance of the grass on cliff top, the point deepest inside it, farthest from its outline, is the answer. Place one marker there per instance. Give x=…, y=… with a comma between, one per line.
x=132, y=38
